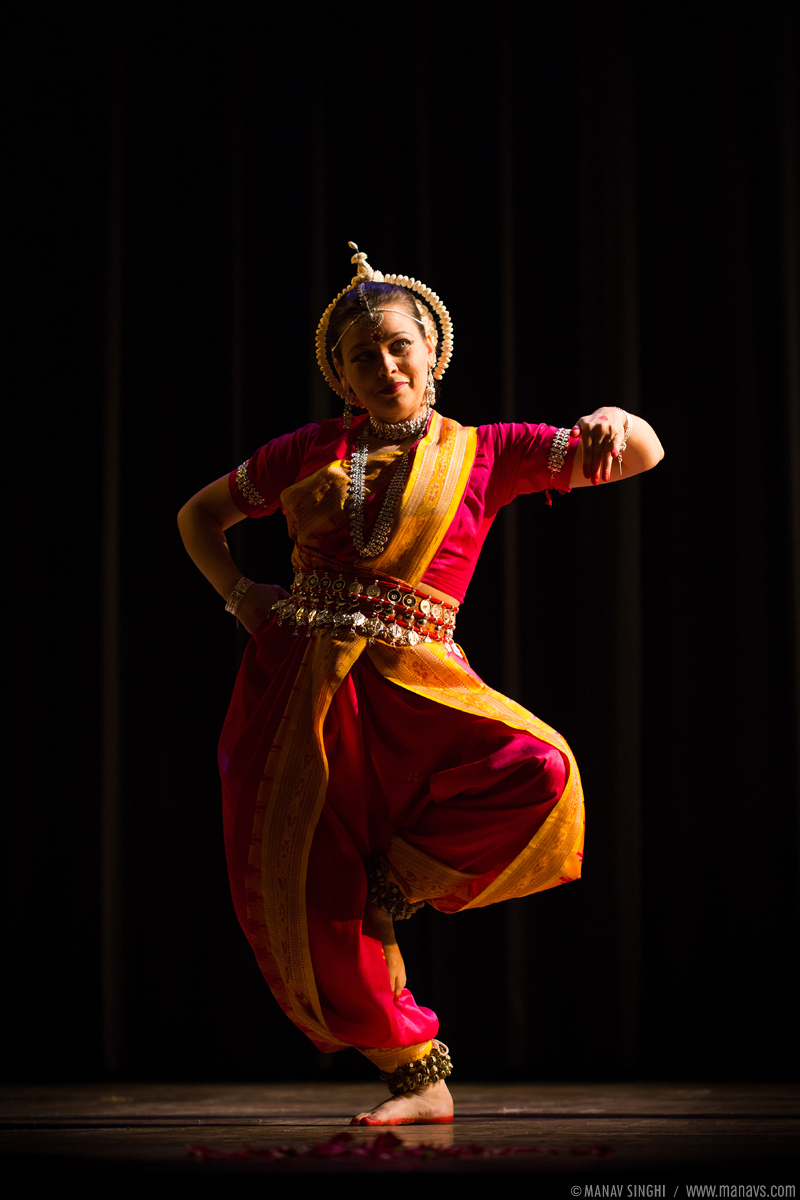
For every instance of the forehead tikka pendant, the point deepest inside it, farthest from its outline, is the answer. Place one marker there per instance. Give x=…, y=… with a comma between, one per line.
x=422, y=294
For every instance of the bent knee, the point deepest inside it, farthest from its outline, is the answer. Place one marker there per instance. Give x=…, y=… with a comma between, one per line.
x=550, y=768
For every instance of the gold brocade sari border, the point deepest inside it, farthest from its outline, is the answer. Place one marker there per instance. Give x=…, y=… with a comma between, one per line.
x=435, y=488
x=290, y=799
x=554, y=853
x=390, y=1060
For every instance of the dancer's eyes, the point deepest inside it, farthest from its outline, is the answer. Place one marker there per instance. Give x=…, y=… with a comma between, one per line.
x=400, y=346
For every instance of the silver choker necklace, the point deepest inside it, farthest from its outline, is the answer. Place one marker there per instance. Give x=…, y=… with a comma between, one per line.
x=402, y=429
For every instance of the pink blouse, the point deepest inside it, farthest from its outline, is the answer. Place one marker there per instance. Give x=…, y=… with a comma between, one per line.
x=510, y=460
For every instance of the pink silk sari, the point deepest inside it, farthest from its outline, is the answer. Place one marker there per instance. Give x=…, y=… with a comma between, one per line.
x=407, y=752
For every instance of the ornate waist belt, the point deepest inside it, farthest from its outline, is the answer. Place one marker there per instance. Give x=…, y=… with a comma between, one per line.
x=397, y=614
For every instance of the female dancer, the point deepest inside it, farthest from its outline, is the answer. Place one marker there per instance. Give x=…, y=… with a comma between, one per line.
x=366, y=768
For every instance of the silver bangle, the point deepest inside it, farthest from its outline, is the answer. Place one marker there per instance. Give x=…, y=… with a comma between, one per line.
x=626, y=433
x=558, y=452
x=235, y=597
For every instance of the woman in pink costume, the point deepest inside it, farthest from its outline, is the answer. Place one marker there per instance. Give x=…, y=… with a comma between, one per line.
x=366, y=768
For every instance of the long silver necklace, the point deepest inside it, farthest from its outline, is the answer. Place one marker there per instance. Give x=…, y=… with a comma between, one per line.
x=357, y=489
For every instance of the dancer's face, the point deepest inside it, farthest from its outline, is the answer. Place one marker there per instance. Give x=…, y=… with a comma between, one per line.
x=387, y=368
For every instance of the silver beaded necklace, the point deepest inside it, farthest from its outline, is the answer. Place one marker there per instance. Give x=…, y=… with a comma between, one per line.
x=402, y=429
x=357, y=489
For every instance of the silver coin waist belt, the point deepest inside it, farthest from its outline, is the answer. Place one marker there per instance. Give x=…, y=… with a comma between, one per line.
x=395, y=614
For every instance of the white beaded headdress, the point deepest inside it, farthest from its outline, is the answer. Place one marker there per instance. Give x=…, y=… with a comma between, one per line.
x=432, y=305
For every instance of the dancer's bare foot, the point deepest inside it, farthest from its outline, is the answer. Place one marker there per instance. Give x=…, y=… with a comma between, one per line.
x=431, y=1105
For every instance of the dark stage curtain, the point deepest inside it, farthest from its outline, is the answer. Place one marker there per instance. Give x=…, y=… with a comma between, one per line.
x=606, y=198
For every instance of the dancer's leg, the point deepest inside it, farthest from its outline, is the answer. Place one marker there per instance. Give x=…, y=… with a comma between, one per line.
x=468, y=790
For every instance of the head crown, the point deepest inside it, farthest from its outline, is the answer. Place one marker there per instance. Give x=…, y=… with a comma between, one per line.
x=428, y=300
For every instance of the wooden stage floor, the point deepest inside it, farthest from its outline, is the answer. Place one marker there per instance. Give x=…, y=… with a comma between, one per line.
x=639, y=1135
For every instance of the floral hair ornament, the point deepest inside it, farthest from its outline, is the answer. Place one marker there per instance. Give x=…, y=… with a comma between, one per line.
x=429, y=302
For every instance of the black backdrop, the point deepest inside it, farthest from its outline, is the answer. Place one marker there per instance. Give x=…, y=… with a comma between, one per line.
x=605, y=196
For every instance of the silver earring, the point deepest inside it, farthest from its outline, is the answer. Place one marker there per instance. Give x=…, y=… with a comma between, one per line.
x=347, y=418
x=430, y=390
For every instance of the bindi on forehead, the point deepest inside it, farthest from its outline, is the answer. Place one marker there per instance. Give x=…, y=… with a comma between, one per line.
x=376, y=337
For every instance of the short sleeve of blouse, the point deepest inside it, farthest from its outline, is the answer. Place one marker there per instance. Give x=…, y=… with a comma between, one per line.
x=256, y=485
x=522, y=461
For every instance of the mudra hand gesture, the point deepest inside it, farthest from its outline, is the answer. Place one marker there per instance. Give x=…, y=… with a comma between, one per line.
x=604, y=436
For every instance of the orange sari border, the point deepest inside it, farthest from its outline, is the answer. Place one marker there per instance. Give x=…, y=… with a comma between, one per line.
x=552, y=856
x=433, y=492
x=390, y=1060
x=290, y=799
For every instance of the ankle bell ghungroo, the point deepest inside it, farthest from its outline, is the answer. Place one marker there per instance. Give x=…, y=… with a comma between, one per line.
x=385, y=895
x=422, y=1072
